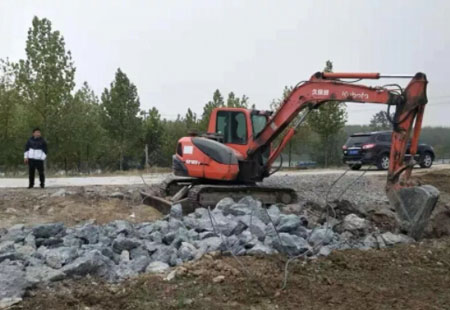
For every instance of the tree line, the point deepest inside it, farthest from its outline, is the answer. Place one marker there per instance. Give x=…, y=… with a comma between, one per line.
x=111, y=131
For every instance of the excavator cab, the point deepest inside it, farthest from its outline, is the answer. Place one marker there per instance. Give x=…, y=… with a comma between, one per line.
x=237, y=126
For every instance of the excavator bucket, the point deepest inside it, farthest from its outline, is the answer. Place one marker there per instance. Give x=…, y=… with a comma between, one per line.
x=414, y=206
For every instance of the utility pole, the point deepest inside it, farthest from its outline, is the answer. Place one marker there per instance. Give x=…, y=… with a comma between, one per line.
x=289, y=157
x=147, y=166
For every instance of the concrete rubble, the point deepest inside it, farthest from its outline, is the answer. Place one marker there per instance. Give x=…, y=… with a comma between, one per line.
x=52, y=252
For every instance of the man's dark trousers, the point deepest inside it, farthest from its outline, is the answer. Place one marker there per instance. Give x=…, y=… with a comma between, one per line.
x=34, y=164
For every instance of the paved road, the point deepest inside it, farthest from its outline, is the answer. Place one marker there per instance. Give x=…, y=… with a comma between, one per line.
x=157, y=177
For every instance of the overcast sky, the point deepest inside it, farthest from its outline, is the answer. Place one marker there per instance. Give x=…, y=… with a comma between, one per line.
x=178, y=52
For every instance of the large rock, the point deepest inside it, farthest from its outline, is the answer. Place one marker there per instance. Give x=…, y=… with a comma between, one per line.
x=161, y=226
x=123, y=243
x=92, y=263
x=260, y=249
x=156, y=236
x=38, y=274
x=52, y=242
x=58, y=257
x=151, y=246
x=71, y=241
x=237, y=209
x=290, y=244
x=208, y=245
x=24, y=250
x=6, y=246
x=119, y=227
x=48, y=230
x=274, y=214
x=246, y=238
x=352, y=223
x=288, y=223
x=414, y=206
x=200, y=212
x=10, y=256
x=88, y=233
x=166, y=254
x=176, y=211
x=321, y=236
x=255, y=225
x=393, y=239
x=187, y=251
x=250, y=202
x=157, y=267
x=144, y=230
x=139, y=264
x=132, y=268
x=233, y=245
x=16, y=233
x=13, y=282
x=139, y=251
x=224, y=204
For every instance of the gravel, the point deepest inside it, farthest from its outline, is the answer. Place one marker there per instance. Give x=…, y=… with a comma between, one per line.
x=314, y=188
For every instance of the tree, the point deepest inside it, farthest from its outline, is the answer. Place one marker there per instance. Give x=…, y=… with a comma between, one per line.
x=154, y=135
x=236, y=102
x=216, y=102
x=82, y=134
x=12, y=116
x=120, y=107
x=191, y=121
x=328, y=121
x=380, y=121
x=46, y=78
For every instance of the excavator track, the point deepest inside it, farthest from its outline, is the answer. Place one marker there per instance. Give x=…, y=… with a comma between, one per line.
x=192, y=194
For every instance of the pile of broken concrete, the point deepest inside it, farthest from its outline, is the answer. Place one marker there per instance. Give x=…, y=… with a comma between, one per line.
x=51, y=252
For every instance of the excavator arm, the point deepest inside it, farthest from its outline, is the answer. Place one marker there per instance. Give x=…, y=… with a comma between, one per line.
x=325, y=87
x=413, y=203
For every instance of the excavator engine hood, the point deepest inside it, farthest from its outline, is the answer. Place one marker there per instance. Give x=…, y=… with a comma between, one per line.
x=205, y=158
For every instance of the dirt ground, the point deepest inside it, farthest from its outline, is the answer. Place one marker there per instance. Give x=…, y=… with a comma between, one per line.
x=33, y=206
x=415, y=276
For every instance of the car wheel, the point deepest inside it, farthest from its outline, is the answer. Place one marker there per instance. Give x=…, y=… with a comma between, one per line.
x=355, y=167
x=427, y=161
x=383, y=162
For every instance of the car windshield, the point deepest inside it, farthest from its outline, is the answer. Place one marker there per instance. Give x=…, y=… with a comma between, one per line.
x=357, y=140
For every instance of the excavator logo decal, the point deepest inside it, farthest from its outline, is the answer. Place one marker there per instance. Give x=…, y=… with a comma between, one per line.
x=320, y=92
x=355, y=96
x=192, y=162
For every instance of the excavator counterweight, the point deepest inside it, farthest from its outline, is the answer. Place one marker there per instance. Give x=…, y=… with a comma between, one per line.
x=236, y=153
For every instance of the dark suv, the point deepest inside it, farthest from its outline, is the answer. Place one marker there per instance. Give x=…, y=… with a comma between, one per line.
x=372, y=148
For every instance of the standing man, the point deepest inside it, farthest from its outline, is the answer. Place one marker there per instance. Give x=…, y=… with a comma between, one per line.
x=35, y=154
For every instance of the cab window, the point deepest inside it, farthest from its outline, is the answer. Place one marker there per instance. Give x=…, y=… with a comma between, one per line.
x=232, y=126
x=258, y=123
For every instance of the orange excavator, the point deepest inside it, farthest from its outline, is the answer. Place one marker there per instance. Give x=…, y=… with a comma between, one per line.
x=236, y=152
